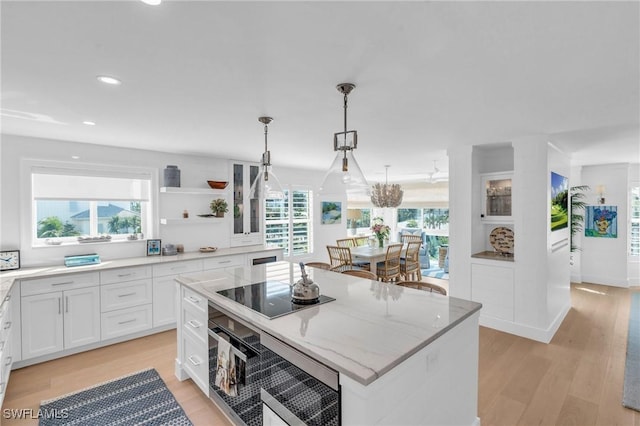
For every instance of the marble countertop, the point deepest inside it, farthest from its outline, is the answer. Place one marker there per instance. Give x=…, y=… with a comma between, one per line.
x=369, y=329
x=8, y=277
x=493, y=255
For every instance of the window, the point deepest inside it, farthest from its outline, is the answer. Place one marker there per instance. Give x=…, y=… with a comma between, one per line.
x=634, y=228
x=359, y=220
x=68, y=202
x=288, y=223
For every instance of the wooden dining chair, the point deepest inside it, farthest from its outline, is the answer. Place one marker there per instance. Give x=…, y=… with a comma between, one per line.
x=421, y=285
x=410, y=263
x=319, y=265
x=340, y=259
x=346, y=242
x=362, y=274
x=361, y=241
x=405, y=238
x=389, y=270
x=351, y=242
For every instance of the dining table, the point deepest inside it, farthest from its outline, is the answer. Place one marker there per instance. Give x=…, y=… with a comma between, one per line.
x=373, y=255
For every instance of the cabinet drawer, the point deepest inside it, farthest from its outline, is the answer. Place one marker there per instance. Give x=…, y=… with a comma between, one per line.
x=195, y=322
x=58, y=283
x=193, y=299
x=195, y=359
x=174, y=268
x=125, y=274
x=222, y=262
x=124, y=295
x=126, y=321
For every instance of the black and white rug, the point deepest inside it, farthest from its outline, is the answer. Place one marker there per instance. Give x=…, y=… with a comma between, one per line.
x=631, y=395
x=140, y=398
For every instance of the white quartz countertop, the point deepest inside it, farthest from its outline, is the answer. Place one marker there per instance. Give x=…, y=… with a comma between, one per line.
x=369, y=329
x=8, y=277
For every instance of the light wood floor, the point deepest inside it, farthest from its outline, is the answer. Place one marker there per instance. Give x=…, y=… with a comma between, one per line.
x=577, y=379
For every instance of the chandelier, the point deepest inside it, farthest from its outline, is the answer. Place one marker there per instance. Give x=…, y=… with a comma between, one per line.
x=266, y=184
x=344, y=173
x=385, y=195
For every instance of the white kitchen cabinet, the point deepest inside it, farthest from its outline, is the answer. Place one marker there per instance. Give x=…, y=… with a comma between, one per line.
x=165, y=289
x=8, y=327
x=59, y=320
x=247, y=212
x=496, y=197
x=493, y=286
x=193, y=339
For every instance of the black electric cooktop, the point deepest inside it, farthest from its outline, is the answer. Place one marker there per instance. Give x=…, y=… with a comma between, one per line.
x=269, y=298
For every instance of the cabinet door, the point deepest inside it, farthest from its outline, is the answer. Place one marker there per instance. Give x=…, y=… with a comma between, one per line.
x=247, y=212
x=496, y=202
x=164, y=300
x=81, y=316
x=42, y=324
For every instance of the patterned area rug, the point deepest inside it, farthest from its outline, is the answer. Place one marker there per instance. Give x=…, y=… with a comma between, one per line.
x=141, y=398
x=435, y=273
x=631, y=395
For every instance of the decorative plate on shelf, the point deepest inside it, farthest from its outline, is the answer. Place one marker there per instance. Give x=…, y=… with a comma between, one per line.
x=208, y=249
x=501, y=239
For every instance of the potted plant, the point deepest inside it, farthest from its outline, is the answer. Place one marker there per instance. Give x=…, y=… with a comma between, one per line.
x=219, y=207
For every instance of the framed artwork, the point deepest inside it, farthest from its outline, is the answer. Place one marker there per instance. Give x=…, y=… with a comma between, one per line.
x=559, y=202
x=153, y=247
x=601, y=221
x=331, y=212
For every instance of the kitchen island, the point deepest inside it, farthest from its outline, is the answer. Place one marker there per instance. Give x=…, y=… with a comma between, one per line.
x=400, y=355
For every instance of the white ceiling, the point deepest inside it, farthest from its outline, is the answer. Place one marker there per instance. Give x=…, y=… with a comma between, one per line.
x=197, y=75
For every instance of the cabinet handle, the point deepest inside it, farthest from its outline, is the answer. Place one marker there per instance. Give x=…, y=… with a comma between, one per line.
x=126, y=322
x=67, y=300
x=175, y=268
x=193, y=299
x=59, y=305
x=194, y=362
x=1, y=345
x=62, y=283
x=224, y=261
x=8, y=362
x=7, y=298
x=124, y=275
x=126, y=294
x=194, y=323
x=7, y=325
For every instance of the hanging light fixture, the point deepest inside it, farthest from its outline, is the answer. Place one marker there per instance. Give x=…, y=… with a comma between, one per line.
x=385, y=195
x=266, y=184
x=344, y=173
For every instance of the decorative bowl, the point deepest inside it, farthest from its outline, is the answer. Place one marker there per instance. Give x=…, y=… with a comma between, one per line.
x=208, y=249
x=216, y=184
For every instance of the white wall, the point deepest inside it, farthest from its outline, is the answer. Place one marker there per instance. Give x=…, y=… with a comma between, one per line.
x=195, y=171
x=604, y=260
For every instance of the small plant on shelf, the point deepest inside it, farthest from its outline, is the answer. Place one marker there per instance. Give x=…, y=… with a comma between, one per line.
x=219, y=207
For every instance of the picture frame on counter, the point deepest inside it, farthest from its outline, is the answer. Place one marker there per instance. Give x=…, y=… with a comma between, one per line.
x=154, y=247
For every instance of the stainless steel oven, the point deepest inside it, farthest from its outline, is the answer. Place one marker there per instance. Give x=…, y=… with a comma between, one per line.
x=268, y=372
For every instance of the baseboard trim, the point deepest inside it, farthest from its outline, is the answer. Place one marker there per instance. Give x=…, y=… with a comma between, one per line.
x=538, y=334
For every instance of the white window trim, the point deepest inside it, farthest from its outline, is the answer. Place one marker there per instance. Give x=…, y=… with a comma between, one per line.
x=27, y=210
x=290, y=221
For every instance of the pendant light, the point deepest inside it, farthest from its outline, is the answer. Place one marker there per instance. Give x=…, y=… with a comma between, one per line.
x=266, y=185
x=385, y=195
x=345, y=175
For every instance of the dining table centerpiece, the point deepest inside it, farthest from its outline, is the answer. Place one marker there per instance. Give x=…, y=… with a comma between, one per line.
x=381, y=232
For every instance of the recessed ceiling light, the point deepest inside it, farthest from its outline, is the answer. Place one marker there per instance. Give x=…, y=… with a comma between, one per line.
x=152, y=2
x=108, y=80
x=89, y=123
x=75, y=157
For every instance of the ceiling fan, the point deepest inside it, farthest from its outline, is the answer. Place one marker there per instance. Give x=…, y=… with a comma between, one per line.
x=436, y=176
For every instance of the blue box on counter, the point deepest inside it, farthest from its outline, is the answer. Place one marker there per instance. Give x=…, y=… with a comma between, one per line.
x=82, y=259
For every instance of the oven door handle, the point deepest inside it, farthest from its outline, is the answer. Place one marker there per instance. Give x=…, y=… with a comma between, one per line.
x=283, y=412
x=235, y=351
